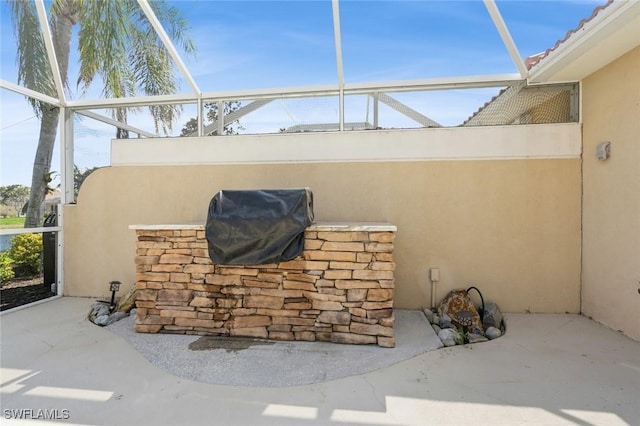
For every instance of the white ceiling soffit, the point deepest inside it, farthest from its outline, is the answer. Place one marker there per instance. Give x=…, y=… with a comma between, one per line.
x=614, y=31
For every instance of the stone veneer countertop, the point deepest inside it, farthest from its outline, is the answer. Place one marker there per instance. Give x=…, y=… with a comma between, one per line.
x=316, y=226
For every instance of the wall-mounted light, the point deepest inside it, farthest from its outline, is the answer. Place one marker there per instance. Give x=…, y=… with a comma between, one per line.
x=603, y=150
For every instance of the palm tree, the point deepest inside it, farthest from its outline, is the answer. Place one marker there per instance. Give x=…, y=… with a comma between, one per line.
x=116, y=43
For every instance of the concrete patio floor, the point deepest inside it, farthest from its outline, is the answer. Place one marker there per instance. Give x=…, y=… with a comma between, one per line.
x=547, y=370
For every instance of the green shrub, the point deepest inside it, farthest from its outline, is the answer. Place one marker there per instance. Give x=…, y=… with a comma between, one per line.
x=26, y=251
x=6, y=271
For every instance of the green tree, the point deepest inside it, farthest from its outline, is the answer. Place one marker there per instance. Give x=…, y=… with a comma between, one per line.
x=191, y=126
x=116, y=43
x=14, y=196
x=79, y=175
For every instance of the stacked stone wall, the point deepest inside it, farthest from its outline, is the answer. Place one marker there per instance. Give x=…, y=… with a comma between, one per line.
x=339, y=290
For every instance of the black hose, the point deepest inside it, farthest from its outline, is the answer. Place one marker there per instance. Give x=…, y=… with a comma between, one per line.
x=481, y=299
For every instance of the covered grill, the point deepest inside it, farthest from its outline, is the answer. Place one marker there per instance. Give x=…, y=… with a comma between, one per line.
x=254, y=227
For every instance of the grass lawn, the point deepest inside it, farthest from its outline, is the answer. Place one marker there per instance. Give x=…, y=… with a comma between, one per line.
x=11, y=222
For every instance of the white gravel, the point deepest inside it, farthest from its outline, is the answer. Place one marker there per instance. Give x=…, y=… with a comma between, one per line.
x=278, y=364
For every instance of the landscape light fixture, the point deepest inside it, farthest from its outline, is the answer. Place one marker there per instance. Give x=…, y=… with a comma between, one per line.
x=465, y=319
x=114, y=286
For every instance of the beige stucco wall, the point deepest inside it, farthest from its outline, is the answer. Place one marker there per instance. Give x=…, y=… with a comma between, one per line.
x=611, y=212
x=510, y=227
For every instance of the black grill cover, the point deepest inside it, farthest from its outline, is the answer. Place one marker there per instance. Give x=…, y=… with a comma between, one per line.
x=255, y=227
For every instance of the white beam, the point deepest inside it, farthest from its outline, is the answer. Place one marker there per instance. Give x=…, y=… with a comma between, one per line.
x=495, y=80
x=376, y=99
x=200, y=130
x=478, y=81
x=17, y=231
x=235, y=115
x=221, y=117
x=408, y=111
x=117, y=123
x=279, y=92
x=29, y=93
x=338, y=41
x=66, y=156
x=496, y=17
x=146, y=8
x=135, y=101
x=338, y=46
x=60, y=236
x=470, y=82
x=51, y=51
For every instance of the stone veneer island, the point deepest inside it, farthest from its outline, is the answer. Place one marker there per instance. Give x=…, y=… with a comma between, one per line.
x=340, y=289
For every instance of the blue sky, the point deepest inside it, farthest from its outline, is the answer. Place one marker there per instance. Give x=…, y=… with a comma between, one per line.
x=266, y=44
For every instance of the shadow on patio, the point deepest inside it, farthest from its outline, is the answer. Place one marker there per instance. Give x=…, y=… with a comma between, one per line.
x=547, y=369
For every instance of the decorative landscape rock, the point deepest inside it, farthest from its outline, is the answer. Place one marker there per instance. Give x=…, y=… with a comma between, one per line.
x=492, y=333
x=428, y=314
x=449, y=337
x=459, y=301
x=492, y=316
x=101, y=320
x=100, y=314
x=445, y=322
x=451, y=333
x=476, y=338
x=117, y=316
x=100, y=308
x=127, y=302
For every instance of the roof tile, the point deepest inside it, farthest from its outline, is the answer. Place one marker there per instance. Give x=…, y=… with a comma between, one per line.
x=533, y=60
